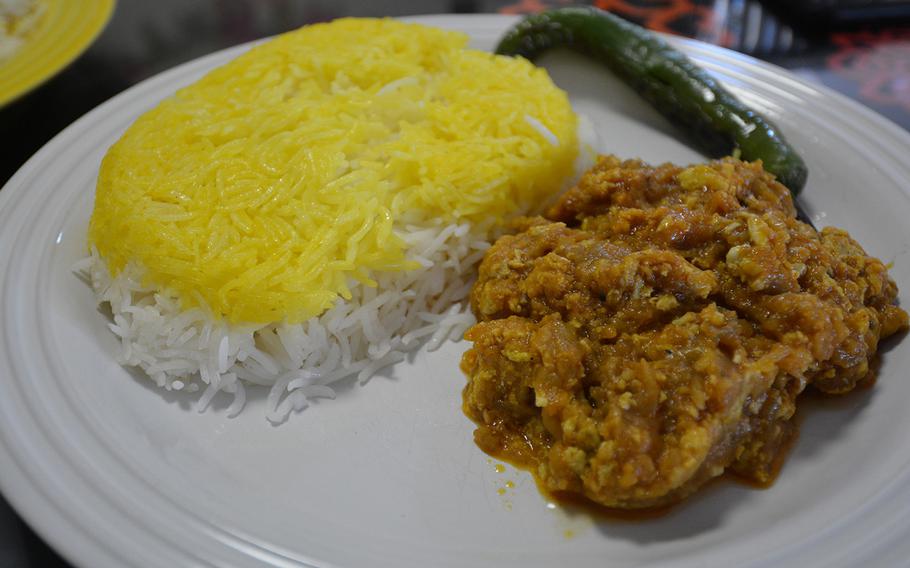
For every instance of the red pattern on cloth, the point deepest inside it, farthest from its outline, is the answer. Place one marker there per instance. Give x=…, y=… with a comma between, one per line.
x=878, y=62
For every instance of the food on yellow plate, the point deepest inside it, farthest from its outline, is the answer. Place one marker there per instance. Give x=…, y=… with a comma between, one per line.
x=17, y=20
x=657, y=326
x=314, y=208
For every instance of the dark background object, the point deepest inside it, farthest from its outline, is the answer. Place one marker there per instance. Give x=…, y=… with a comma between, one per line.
x=834, y=13
x=870, y=63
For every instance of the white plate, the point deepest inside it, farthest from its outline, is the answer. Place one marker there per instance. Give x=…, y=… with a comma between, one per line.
x=115, y=473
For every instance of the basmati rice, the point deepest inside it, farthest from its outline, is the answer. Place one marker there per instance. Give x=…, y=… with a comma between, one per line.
x=433, y=185
x=375, y=328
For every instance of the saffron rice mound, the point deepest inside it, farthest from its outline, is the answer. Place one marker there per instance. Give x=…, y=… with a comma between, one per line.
x=317, y=208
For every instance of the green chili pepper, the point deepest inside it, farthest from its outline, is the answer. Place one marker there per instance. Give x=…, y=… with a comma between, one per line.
x=680, y=90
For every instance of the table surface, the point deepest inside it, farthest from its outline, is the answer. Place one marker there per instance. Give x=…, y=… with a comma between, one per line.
x=867, y=61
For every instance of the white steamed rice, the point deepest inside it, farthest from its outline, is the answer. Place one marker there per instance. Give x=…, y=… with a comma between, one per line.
x=189, y=350
x=192, y=351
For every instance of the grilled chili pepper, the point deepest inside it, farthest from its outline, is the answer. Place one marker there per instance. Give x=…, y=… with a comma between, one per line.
x=680, y=90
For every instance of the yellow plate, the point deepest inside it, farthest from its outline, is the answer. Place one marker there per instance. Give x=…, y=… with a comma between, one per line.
x=64, y=31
